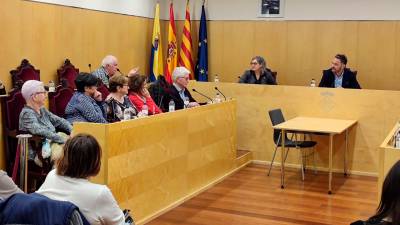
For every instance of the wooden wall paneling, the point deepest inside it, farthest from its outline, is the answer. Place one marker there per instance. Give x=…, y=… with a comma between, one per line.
x=377, y=54
x=215, y=42
x=270, y=41
x=302, y=52
x=237, y=47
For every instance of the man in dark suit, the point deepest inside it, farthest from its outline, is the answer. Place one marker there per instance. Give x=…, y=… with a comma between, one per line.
x=338, y=76
x=178, y=91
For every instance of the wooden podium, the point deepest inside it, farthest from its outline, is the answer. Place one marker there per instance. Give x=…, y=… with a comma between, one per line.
x=155, y=163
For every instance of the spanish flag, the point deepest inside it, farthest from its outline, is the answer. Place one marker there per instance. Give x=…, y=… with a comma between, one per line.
x=156, y=59
x=172, y=51
x=185, y=56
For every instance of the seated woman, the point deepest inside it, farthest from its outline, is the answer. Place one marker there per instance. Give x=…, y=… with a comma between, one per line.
x=388, y=212
x=139, y=95
x=37, y=120
x=7, y=186
x=258, y=73
x=117, y=101
x=86, y=105
x=70, y=182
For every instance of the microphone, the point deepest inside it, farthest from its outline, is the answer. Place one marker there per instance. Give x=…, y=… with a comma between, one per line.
x=220, y=93
x=90, y=67
x=202, y=95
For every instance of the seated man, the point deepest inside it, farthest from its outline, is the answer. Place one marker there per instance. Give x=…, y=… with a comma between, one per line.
x=36, y=119
x=178, y=91
x=258, y=73
x=86, y=104
x=108, y=68
x=7, y=186
x=338, y=76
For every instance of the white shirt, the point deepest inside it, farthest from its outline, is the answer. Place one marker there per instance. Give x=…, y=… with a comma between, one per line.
x=95, y=201
x=7, y=186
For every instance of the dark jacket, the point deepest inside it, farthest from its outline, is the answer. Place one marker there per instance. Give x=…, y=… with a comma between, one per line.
x=36, y=209
x=371, y=222
x=172, y=93
x=249, y=77
x=349, y=79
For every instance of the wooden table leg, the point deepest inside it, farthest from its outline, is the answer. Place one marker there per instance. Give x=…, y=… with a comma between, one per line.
x=283, y=158
x=330, y=162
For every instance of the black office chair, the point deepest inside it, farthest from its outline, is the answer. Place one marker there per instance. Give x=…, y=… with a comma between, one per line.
x=276, y=117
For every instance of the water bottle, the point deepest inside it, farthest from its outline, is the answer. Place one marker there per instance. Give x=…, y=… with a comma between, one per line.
x=145, y=110
x=52, y=87
x=217, y=98
x=312, y=83
x=127, y=113
x=171, y=106
x=186, y=103
x=216, y=79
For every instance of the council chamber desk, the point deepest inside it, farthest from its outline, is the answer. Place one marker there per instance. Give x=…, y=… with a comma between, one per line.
x=152, y=164
x=375, y=111
x=320, y=125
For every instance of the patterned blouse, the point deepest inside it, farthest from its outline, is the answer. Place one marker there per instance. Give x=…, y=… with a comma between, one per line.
x=43, y=124
x=83, y=108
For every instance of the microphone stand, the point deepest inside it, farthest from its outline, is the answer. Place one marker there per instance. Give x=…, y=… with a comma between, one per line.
x=203, y=95
x=220, y=93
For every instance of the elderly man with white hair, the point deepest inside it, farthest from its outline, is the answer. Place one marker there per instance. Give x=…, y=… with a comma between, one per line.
x=109, y=66
x=178, y=91
x=36, y=119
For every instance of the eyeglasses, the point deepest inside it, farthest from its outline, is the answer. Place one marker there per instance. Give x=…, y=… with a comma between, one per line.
x=253, y=63
x=186, y=78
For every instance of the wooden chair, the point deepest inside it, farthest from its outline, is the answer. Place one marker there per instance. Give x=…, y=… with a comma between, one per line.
x=67, y=74
x=24, y=72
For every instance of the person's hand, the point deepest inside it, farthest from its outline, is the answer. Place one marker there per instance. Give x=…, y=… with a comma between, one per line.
x=145, y=92
x=97, y=96
x=133, y=71
x=193, y=104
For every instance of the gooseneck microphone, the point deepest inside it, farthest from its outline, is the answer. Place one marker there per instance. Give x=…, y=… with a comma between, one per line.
x=202, y=95
x=220, y=93
x=90, y=67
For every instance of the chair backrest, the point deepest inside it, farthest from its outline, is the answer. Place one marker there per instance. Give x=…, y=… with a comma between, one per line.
x=67, y=74
x=276, y=118
x=158, y=90
x=103, y=90
x=58, y=100
x=24, y=72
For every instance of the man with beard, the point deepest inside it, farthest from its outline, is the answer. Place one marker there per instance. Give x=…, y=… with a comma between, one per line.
x=338, y=76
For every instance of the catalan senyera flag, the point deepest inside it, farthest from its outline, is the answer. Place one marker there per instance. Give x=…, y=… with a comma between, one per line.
x=156, y=59
x=172, y=49
x=202, y=55
x=185, y=56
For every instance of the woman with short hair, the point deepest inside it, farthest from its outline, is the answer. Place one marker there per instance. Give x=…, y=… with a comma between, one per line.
x=258, y=73
x=86, y=104
x=140, y=96
x=36, y=119
x=70, y=182
x=117, y=101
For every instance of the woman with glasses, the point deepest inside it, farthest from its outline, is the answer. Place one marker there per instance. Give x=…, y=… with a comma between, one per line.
x=86, y=104
x=258, y=73
x=140, y=96
x=36, y=119
x=117, y=101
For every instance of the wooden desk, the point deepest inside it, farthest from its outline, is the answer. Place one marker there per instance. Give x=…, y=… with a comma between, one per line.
x=311, y=124
x=154, y=163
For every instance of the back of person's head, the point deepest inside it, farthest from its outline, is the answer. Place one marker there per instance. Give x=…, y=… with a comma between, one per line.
x=30, y=87
x=389, y=206
x=178, y=72
x=117, y=81
x=85, y=80
x=136, y=83
x=342, y=58
x=81, y=157
x=108, y=60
